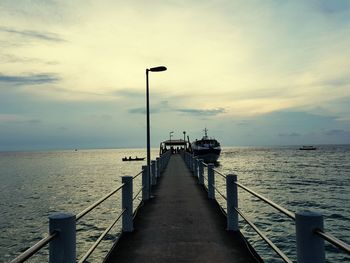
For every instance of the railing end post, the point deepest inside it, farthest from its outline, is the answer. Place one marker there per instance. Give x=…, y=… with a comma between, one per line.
x=200, y=171
x=127, y=204
x=153, y=173
x=63, y=247
x=310, y=247
x=211, y=181
x=145, y=183
x=232, y=202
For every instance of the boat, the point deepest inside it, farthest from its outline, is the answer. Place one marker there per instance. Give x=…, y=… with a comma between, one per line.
x=175, y=146
x=208, y=149
x=307, y=148
x=126, y=159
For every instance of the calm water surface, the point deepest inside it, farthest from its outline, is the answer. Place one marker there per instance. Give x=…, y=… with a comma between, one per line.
x=298, y=180
x=37, y=184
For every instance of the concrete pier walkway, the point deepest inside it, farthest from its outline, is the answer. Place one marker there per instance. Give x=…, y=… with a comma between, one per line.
x=180, y=224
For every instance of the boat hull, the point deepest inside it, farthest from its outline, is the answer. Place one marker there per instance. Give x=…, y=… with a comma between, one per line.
x=307, y=148
x=208, y=155
x=132, y=160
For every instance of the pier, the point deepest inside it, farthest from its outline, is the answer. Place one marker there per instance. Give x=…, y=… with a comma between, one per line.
x=180, y=224
x=180, y=220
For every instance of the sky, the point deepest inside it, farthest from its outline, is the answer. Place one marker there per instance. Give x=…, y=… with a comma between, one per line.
x=254, y=73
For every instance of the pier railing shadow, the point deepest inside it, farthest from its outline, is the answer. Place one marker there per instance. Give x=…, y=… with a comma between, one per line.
x=310, y=235
x=62, y=226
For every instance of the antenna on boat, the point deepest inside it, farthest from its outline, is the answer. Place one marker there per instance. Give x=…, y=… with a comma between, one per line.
x=205, y=132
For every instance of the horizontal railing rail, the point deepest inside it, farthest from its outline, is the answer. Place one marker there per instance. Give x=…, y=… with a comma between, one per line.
x=219, y=173
x=333, y=240
x=97, y=203
x=138, y=193
x=221, y=194
x=137, y=175
x=264, y=237
x=101, y=237
x=34, y=249
x=268, y=201
x=195, y=166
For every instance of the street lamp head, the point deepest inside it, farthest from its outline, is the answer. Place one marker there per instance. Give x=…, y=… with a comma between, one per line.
x=157, y=69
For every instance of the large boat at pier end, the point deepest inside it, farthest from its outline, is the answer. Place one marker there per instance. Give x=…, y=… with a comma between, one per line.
x=208, y=149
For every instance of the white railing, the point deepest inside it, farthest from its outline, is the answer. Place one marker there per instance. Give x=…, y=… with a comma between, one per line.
x=62, y=226
x=310, y=235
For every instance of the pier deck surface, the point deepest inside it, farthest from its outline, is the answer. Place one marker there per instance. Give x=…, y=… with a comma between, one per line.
x=180, y=224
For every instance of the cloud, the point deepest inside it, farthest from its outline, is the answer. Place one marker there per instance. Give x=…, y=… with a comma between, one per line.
x=47, y=36
x=101, y=116
x=340, y=81
x=243, y=123
x=140, y=110
x=129, y=93
x=293, y=134
x=15, y=118
x=333, y=7
x=8, y=58
x=202, y=112
x=164, y=106
x=32, y=79
x=337, y=132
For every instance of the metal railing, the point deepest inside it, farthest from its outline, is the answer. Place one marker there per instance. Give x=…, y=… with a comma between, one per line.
x=34, y=249
x=268, y=201
x=97, y=203
x=101, y=237
x=307, y=224
x=61, y=228
x=333, y=240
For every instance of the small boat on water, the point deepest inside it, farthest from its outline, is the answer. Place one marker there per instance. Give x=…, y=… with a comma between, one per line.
x=128, y=159
x=208, y=149
x=307, y=148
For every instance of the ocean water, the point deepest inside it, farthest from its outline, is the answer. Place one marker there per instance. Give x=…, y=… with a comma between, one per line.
x=316, y=181
x=35, y=185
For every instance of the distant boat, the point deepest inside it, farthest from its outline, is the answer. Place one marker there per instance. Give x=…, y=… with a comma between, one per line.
x=207, y=148
x=126, y=159
x=307, y=148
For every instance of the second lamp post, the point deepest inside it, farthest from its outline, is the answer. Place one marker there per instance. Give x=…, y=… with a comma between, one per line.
x=155, y=69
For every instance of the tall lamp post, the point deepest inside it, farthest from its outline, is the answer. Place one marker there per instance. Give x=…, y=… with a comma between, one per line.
x=171, y=134
x=155, y=69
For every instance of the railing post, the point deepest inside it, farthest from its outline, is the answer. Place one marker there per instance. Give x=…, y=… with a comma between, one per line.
x=127, y=197
x=145, y=183
x=161, y=163
x=190, y=162
x=232, y=202
x=195, y=167
x=63, y=248
x=200, y=171
x=211, y=181
x=310, y=247
x=158, y=166
x=153, y=173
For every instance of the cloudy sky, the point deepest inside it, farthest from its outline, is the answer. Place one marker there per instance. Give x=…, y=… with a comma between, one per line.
x=72, y=73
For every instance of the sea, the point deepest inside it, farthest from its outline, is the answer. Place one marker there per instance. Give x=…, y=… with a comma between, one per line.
x=37, y=184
